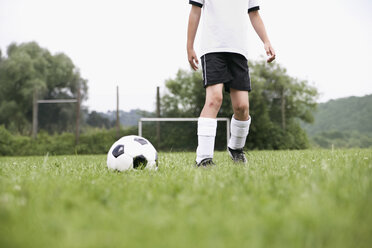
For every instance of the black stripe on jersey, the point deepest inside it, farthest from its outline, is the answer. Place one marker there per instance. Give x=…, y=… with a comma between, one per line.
x=196, y=3
x=254, y=9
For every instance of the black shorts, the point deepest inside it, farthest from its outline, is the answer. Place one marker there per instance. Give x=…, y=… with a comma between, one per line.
x=231, y=69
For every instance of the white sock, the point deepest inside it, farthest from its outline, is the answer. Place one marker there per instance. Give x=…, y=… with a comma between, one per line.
x=207, y=128
x=239, y=132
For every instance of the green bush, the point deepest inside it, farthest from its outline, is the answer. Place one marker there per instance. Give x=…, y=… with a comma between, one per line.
x=93, y=142
x=6, y=140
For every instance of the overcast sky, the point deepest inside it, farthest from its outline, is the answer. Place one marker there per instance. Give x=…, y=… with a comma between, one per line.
x=139, y=44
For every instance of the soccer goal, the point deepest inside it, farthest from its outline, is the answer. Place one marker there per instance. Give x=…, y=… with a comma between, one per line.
x=227, y=120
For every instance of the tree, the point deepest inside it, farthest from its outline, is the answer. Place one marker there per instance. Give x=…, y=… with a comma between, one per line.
x=97, y=120
x=277, y=103
x=27, y=69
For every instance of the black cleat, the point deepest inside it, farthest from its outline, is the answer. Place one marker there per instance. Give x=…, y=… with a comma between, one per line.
x=205, y=163
x=237, y=155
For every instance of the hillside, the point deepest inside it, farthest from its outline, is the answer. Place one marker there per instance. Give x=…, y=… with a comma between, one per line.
x=344, y=122
x=130, y=118
x=108, y=119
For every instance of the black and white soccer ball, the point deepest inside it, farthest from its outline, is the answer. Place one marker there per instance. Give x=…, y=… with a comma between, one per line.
x=132, y=152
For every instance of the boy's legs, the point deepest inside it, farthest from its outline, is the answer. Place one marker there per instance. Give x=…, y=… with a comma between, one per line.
x=207, y=123
x=240, y=123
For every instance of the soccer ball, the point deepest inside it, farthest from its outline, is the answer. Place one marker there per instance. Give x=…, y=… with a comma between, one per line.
x=132, y=152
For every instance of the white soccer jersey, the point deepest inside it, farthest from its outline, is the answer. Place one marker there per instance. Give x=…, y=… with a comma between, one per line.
x=225, y=25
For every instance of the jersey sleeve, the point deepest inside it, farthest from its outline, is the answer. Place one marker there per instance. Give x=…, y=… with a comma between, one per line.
x=198, y=3
x=253, y=5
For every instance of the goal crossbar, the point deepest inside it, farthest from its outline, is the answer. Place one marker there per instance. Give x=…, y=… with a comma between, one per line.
x=58, y=101
x=182, y=119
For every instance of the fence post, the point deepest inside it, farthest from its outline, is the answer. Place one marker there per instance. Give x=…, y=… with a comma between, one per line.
x=158, y=115
x=117, y=113
x=77, y=127
x=34, y=114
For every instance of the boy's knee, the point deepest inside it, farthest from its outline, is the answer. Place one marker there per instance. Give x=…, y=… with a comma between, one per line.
x=241, y=107
x=215, y=101
x=241, y=110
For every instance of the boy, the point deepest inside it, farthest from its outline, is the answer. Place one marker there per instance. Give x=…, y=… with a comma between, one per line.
x=224, y=63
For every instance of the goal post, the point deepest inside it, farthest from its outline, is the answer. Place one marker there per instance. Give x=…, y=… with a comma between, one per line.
x=227, y=120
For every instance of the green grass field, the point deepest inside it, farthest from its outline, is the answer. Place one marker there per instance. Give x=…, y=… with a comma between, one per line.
x=313, y=198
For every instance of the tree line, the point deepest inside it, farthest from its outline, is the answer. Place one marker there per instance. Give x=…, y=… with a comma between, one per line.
x=278, y=102
x=26, y=68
